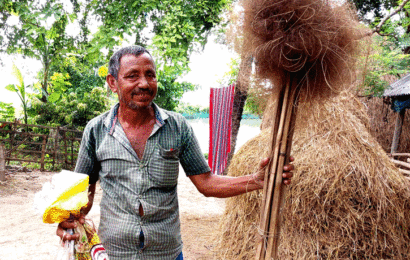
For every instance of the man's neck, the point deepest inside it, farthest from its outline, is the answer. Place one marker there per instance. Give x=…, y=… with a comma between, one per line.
x=136, y=117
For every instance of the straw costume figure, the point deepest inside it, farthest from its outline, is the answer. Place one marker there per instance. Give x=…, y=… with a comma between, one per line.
x=305, y=48
x=347, y=200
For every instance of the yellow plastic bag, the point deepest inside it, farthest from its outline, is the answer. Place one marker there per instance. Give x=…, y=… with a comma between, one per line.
x=66, y=194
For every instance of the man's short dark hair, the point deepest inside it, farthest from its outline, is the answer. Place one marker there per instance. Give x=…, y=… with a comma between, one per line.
x=114, y=65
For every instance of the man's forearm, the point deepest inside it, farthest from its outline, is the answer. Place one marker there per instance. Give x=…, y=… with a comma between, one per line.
x=224, y=186
x=91, y=193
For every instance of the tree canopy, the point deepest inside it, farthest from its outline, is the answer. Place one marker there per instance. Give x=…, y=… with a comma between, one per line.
x=74, y=38
x=372, y=9
x=389, y=56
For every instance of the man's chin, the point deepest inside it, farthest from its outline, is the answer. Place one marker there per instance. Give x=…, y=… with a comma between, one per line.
x=139, y=105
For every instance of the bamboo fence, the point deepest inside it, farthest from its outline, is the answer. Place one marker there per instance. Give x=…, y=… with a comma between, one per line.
x=44, y=145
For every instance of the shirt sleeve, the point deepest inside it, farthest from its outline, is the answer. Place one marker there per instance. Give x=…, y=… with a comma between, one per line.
x=192, y=159
x=87, y=160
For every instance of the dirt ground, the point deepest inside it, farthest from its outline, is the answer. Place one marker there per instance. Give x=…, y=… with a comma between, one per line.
x=24, y=236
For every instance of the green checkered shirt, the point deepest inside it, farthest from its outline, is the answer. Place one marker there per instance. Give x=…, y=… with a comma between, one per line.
x=128, y=182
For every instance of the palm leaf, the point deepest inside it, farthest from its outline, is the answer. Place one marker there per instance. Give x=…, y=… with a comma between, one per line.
x=17, y=74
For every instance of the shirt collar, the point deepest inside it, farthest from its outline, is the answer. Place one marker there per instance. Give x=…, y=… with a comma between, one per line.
x=112, y=118
x=160, y=115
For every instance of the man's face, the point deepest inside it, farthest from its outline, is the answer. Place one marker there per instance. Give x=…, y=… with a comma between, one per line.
x=136, y=85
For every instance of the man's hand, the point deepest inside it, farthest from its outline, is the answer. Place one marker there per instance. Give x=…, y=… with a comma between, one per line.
x=70, y=224
x=287, y=174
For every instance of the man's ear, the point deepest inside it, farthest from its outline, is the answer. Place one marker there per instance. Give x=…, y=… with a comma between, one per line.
x=111, y=81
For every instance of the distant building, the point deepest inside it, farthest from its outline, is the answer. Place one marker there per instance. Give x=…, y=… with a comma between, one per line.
x=399, y=92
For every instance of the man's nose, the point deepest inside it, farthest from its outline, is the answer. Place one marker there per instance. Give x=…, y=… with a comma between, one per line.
x=143, y=83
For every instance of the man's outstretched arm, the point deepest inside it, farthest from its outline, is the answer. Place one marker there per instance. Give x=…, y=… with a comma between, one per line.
x=212, y=185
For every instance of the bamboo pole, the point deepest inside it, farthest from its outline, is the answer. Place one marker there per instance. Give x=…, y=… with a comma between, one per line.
x=401, y=154
x=404, y=164
x=277, y=128
x=404, y=172
x=282, y=132
x=279, y=191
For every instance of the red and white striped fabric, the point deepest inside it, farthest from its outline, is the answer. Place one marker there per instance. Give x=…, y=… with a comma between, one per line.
x=98, y=253
x=220, y=123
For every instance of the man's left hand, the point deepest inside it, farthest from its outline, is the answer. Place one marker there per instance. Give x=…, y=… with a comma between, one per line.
x=286, y=175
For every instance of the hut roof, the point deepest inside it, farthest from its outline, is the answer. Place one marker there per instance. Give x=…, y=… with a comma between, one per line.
x=399, y=88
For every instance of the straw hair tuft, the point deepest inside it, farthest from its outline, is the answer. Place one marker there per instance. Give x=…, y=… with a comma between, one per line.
x=313, y=41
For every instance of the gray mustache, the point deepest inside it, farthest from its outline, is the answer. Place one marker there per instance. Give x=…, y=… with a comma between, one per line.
x=143, y=91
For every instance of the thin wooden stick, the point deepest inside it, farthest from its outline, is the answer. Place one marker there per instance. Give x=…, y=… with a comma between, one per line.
x=260, y=251
x=404, y=171
x=401, y=154
x=278, y=194
x=265, y=217
x=398, y=162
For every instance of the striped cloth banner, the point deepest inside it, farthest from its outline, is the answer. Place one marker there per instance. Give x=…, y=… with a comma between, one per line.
x=220, y=122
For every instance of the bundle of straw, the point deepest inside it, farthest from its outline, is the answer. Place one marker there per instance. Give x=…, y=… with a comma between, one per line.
x=347, y=200
x=304, y=47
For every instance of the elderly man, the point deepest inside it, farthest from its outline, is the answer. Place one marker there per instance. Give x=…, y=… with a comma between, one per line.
x=135, y=150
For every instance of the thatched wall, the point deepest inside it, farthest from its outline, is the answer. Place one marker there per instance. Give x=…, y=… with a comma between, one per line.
x=346, y=200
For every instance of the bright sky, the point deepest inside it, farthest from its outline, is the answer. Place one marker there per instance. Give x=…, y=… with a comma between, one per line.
x=207, y=68
x=29, y=69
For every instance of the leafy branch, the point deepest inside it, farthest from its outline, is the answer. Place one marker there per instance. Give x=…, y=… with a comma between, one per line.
x=378, y=27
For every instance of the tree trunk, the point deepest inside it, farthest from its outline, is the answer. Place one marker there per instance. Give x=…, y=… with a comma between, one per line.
x=46, y=65
x=241, y=94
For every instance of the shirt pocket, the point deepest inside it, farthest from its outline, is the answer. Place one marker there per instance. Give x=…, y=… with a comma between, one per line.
x=163, y=167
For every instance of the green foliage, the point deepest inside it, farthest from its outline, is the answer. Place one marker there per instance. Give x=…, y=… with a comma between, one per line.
x=179, y=24
x=170, y=91
x=188, y=109
x=6, y=112
x=40, y=29
x=71, y=110
x=179, y=27
x=82, y=76
x=389, y=56
x=59, y=83
x=20, y=89
x=252, y=104
x=231, y=76
x=385, y=62
x=374, y=7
